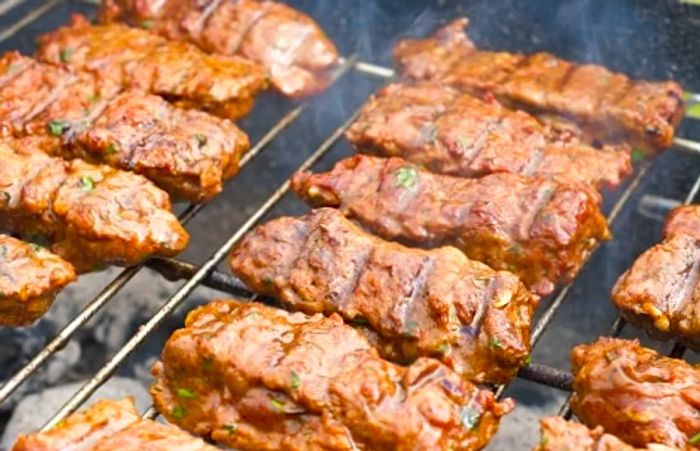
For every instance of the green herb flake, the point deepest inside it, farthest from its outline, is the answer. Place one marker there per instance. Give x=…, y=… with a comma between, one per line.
x=544, y=440
x=185, y=393
x=111, y=149
x=464, y=143
x=230, y=428
x=178, y=413
x=87, y=183
x=406, y=177
x=277, y=404
x=442, y=348
x=694, y=440
x=207, y=363
x=495, y=343
x=470, y=417
x=93, y=98
x=527, y=360
x=57, y=128
x=637, y=155
x=35, y=247
x=146, y=24
x=201, y=139
x=66, y=54
x=411, y=329
x=295, y=380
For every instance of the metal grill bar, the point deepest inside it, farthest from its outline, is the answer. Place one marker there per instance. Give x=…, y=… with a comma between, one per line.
x=28, y=19
x=206, y=269
x=108, y=293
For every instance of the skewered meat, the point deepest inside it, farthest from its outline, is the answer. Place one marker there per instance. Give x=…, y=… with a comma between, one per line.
x=188, y=153
x=539, y=229
x=607, y=106
x=93, y=215
x=289, y=44
x=457, y=134
x=111, y=425
x=30, y=277
x=415, y=302
x=636, y=393
x=561, y=435
x=258, y=378
x=661, y=291
x=133, y=57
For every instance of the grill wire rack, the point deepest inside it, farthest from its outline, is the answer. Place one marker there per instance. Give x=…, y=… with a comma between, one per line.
x=206, y=274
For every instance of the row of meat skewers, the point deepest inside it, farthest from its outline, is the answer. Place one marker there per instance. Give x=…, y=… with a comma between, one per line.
x=503, y=206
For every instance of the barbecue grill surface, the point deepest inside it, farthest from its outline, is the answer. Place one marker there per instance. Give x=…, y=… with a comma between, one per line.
x=645, y=39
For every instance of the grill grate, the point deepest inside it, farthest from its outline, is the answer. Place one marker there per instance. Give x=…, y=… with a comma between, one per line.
x=207, y=275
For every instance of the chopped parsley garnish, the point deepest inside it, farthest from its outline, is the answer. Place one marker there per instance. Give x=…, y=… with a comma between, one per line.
x=527, y=360
x=470, y=417
x=295, y=380
x=87, y=183
x=57, y=128
x=442, y=348
x=694, y=440
x=146, y=24
x=406, y=177
x=359, y=321
x=495, y=343
x=230, y=428
x=201, y=139
x=277, y=404
x=185, y=393
x=544, y=440
x=178, y=413
x=92, y=98
x=66, y=54
x=637, y=155
x=464, y=143
x=111, y=148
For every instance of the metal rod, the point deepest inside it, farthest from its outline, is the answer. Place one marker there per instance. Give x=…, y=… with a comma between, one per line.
x=8, y=5
x=94, y=306
x=176, y=270
x=546, y=375
x=28, y=19
x=687, y=145
x=144, y=331
x=375, y=70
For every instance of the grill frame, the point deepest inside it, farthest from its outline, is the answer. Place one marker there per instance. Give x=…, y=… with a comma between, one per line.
x=207, y=275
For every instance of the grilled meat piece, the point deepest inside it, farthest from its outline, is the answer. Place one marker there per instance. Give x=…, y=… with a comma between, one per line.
x=561, y=435
x=111, y=425
x=254, y=377
x=413, y=302
x=607, y=106
x=93, y=215
x=289, y=44
x=661, y=291
x=188, y=153
x=30, y=277
x=636, y=393
x=457, y=134
x=133, y=57
x=539, y=229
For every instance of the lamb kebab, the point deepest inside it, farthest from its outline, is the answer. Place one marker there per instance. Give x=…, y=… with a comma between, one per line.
x=606, y=106
x=111, y=425
x=91, y=215
x=30, y=277
x=253, y=377
x=133, y=57
x=289, y=44
x=409, y=302
x=561, y=435
x=188, y=153
x=538, y=229
x=660, y=292
x=458, y=134
x=637, y=394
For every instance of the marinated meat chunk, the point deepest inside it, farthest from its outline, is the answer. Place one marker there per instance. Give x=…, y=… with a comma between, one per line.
x=539, y=229
x=111, y=425
x=30, y=277
x=289, y=44
x=254, y=377
x=457, y=134
x=561, y=435
x=660, y=292
x=410, y=302
x=92, y=215
x=133, y=57
x=607, y=106
x=637, y=394
x=188, y=153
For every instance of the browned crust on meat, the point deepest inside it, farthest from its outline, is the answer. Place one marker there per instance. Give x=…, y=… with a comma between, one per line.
x=635, y=393
x=416, y=302
x=607, y=106
x=253, y=377
x=289, y=44
x=541, y=230
x=30, y=277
